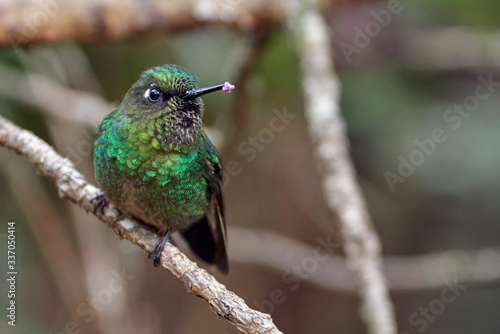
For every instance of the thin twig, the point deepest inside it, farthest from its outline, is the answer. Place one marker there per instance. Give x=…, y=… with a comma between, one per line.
x=72, y=185
x=343, y=196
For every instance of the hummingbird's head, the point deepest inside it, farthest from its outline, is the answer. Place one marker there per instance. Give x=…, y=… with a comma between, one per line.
x=169, y=97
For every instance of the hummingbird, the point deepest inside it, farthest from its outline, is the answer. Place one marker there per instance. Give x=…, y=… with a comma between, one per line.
x=153, y=160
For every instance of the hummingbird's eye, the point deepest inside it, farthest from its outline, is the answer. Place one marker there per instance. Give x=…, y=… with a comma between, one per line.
x=153, y=94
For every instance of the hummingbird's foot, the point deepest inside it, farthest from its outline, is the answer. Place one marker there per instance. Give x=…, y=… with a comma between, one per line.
x=157, y=249
x=102, y=202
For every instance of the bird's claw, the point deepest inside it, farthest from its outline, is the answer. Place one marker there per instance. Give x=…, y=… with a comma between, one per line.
x=101, y=203
x=157, y=249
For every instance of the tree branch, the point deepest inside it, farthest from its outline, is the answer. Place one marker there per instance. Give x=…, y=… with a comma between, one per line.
x=72, y=185
x=343, y=196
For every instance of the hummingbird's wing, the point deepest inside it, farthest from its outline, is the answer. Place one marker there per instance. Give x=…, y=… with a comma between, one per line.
x=217, y=213
x=207, y=237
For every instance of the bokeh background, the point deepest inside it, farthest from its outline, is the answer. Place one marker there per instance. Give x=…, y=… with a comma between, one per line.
x=398, y=86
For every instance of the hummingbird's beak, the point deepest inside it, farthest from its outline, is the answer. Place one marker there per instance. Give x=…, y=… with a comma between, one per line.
x=192, y=94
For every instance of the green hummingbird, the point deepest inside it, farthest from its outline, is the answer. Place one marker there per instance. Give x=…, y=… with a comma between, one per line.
x=153, y=160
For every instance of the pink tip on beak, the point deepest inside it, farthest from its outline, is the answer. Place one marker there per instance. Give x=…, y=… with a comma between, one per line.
x=227, y=87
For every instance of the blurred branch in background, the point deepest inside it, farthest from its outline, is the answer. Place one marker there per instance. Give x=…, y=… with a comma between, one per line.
x=91, y=21
x=241, y=110
x=73, y=186
x=452, y=48
x=343, y=196
x=403, y=273
x=52, y=97
x=431, y=48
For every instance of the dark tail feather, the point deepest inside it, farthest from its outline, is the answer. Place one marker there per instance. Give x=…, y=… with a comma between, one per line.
x=202, y=241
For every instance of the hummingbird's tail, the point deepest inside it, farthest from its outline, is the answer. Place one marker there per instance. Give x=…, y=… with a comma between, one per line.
x=208, y=245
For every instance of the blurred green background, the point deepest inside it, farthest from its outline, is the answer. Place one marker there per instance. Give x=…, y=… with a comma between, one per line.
x=396, y=90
